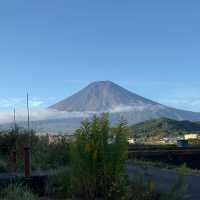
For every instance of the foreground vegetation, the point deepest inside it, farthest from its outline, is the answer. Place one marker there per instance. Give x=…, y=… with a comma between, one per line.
x=17, y=192
x=90, y=167
x=44, y=154
x=97, y=164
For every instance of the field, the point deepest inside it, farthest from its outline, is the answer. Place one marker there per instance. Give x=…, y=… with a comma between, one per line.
x=169, y=154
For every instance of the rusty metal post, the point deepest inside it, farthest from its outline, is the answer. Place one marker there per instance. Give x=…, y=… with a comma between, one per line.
x=27, y=169
x=14, y=161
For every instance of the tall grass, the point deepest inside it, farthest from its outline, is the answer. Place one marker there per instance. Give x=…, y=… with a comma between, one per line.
x=17, y=192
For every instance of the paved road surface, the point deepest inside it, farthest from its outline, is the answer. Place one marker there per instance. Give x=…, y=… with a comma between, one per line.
x=164, y=179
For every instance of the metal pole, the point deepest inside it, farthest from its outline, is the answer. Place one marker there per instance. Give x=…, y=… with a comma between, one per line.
x=14, y=161
x=14, y=118
x=27, y=150
x=27, y=169
x=28, y=111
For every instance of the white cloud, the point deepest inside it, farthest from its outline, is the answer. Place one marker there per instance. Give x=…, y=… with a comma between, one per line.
x=46, y=114
x=124, y=108
x=40, y=114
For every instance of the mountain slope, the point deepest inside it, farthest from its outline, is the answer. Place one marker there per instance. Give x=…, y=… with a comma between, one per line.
x=106, y=96
x=102, y=96
x=164, y=126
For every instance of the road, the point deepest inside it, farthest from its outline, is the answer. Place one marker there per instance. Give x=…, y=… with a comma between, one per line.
x=164, y=179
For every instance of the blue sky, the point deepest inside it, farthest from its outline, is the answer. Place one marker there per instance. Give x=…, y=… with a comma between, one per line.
x=53, y=48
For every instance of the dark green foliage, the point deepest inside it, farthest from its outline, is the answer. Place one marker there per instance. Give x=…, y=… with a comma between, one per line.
x=98, y=160
x=164, y=127
x=60, y=184
x=44, y=155
x=47, y=155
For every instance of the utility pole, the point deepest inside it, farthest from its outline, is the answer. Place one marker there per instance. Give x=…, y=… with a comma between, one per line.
x=27, y=149
x=14, y=154
x=14, y=119
x=28, y=112
x=28, y=122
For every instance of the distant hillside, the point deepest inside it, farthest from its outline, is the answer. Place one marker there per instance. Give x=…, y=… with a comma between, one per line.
x=164, y=127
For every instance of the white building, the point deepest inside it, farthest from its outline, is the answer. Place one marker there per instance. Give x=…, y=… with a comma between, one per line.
x=131, y=140
x=191, y=136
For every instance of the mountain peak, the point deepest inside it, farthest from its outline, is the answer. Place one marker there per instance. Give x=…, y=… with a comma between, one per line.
x=102, y=96
x=103, y=83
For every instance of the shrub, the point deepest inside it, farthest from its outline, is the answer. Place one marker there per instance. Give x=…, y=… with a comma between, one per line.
x=98, y=159
x=60, y=184
x=47, y=155
x=16, y=192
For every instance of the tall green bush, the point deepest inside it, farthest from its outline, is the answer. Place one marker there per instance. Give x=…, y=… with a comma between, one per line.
x=98, y=158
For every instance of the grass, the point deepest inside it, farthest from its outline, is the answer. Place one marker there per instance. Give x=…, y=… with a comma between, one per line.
x=59, y=184
x=17, y=192
x=3, y=166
